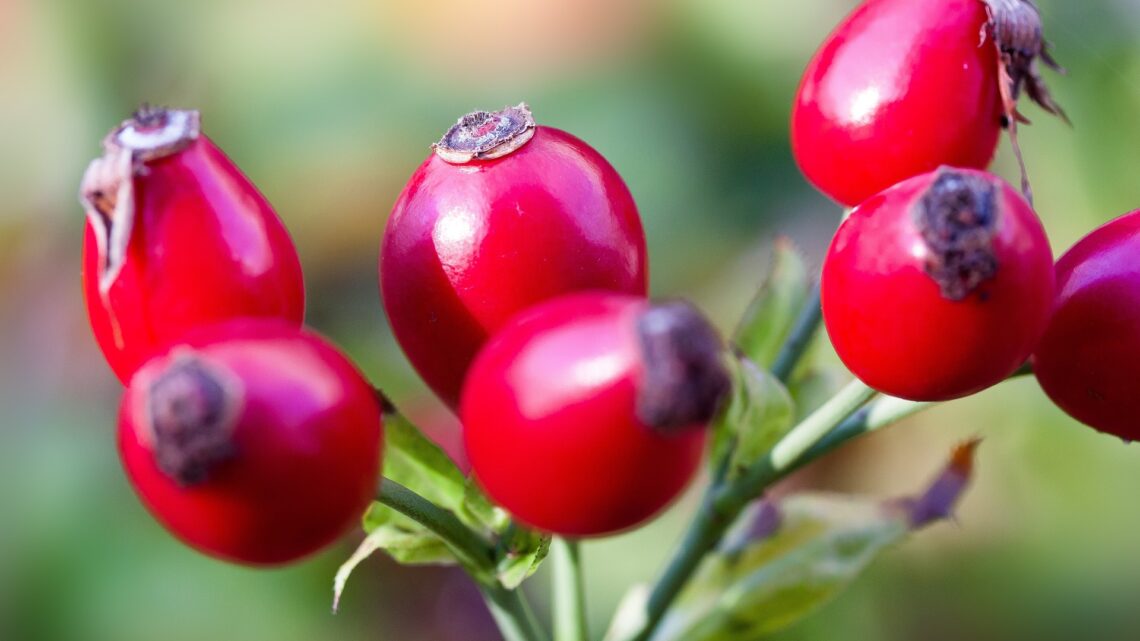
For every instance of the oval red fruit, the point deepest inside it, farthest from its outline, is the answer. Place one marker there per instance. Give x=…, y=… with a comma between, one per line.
x=586, y=415
x=502, y=216
x=252, y=441
x=900, y=88
x=938, y=287
x=1088, y=361
x=177, y=238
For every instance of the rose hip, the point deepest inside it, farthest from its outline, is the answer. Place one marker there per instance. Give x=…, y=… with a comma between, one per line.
x=252, y=440
x=902, y=87
x=939, y=286
x=177, y=238
x=587, y=414
x=1088, y=361
x=503, y=215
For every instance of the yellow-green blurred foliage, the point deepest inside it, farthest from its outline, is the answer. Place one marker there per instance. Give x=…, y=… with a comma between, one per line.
x=329, y=107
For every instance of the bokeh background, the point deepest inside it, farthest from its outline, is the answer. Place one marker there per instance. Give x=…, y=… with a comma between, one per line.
x=330, y=106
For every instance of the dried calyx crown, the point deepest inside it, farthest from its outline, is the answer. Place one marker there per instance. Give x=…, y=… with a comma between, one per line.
x=1018, y=33
x=107, y=189
x=685, y=377
x=485, y=135
x=192, y=409
x=1018, y=36
x=153, y=132
x=957, y=217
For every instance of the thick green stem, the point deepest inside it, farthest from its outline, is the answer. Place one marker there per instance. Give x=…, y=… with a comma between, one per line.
x=883, y=412
x=569, y=595
x=806, y=324
x=510, y=611
x=818, y=424
x=471, y=548
x=723, y=503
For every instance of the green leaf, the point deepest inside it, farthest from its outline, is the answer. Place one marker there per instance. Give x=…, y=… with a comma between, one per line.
x=478, y=509
x=403, y=539
x=413, y=460
x=772, y=313
x=759, y=412
x=522, y=552
x=407, y=541
x=786, y=559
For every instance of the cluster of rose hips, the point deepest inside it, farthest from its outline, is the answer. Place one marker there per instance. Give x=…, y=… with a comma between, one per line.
x=255, y=440
x=249, y=437
x=514, y=274
x=943, y=284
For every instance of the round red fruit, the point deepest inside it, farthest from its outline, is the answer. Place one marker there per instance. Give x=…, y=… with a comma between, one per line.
x=939, y=286
x=252, y=441
x=1088, y=361
x=177, y=238
x=900, y=88
x=503, y=215
x=587, y=414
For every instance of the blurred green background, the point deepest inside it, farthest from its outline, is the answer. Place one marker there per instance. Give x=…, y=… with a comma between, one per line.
x=329, y=107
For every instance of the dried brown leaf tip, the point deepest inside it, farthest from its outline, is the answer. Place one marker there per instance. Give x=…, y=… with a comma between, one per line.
x=940, y=498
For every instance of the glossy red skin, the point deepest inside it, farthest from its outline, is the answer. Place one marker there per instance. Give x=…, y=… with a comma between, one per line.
x=469, y=246
x=206, y=247
x=309, y=443
x=892, y=327
x=550, y=426
x=898, y=89
x=1088, y=361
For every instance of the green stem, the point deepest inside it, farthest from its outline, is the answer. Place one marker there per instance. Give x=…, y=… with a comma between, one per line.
x=471, y=548
x=569, y=595
x=817, y=424
x=884, y=411
x=510, y=611
x=723, y=503
x=515, y=620
x=806, y=324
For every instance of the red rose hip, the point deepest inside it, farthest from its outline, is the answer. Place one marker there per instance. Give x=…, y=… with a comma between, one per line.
x=1088, y=361
x=939, y=286
x=504, y=214
x=902, y=87
x=177, y=238
x=586, y=415
x=252, y=441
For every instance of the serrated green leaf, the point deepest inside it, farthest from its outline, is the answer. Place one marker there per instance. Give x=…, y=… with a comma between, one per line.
x=523, y=551
x=403, y=539
x=414, y=461
x=786, y=559
x=772, y=313
x=759, y=412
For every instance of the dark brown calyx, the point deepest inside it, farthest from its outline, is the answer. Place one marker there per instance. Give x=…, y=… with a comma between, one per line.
x=957, y=218
x=1018, y=34
x=1020, y=41
x=192, y=410
x=485, y=135
x=685, y=379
